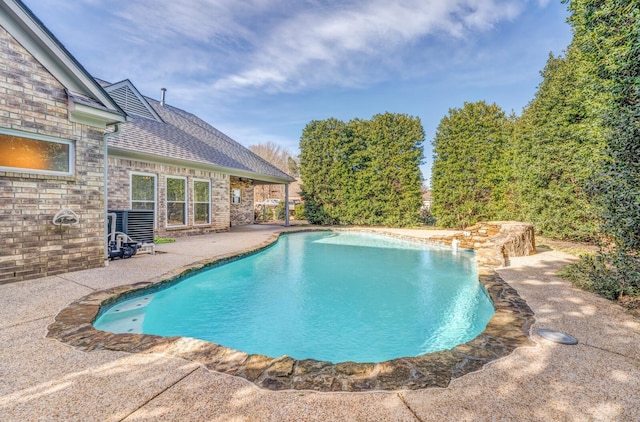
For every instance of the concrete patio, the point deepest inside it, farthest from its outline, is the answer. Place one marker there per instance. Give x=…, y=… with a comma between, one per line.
x=43, y=379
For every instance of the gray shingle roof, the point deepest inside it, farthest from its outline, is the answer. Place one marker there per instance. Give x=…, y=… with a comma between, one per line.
x=184, y=136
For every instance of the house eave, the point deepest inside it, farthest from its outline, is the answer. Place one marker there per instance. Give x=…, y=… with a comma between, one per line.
x=83, y=114
x=158, y=159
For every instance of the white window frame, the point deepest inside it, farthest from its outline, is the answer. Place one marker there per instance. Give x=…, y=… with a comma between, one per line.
x=208, y=182
x=186, y=201
x=155, y=193
x=44, y=138
x=233, y=196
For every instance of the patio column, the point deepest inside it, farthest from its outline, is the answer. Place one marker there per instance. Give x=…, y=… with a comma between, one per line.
x=286, y=205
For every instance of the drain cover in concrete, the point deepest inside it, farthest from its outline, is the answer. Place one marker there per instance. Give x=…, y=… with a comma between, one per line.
x=556, y=336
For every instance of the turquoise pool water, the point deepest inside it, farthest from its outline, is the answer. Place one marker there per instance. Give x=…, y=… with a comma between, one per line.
x=331, y=296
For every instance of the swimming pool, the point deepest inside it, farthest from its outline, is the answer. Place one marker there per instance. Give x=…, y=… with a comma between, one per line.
x=329, y=296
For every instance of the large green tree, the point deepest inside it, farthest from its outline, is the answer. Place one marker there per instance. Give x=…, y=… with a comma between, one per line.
x=362, y=172
x=324, y=152
x=607, y=33
x=556, y=147
x=469, y=175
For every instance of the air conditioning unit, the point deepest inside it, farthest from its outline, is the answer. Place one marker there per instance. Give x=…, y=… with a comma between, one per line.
x=137, y=224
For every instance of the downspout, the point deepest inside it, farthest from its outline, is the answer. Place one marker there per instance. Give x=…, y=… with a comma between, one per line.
x=106, y=190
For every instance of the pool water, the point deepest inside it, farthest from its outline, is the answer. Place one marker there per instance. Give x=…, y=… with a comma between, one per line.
x=330, y=296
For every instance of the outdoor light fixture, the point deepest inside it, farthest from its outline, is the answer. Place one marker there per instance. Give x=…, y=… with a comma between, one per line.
x=556, y=336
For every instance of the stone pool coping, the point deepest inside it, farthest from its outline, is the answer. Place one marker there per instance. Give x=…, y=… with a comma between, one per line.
x=507, y=330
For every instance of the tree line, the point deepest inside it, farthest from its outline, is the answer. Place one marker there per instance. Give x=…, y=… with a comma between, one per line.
x=570, y=163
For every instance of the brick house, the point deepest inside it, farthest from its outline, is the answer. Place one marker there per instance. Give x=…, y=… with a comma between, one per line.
x=53, y=117
x=61, y=130
x=196, y=178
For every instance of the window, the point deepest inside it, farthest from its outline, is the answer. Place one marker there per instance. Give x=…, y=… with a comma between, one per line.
x=143, y=191
x=201, y=202
x=35, y=153
x=176, y=201
x=235, y=196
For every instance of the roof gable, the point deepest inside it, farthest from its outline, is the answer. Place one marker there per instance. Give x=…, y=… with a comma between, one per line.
x=31, y=33
x=130, y=100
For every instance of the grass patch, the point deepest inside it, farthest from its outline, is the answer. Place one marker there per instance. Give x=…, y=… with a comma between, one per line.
x=593, y=274
x=161, y=240
x=609, y=278
x=575, y=251
x=589, y=274
x=577, y=274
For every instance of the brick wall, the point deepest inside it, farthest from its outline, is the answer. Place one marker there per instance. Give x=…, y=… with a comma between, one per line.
x=32, y=101
x=242, y=213
x=119, y=182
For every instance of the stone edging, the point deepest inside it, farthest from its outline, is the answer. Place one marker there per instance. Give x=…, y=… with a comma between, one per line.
x=507, y=330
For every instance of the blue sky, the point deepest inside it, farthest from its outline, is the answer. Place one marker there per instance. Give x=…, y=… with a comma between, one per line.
x=260, y=70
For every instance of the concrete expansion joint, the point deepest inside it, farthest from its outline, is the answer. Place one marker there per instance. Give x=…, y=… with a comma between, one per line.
x=611, y=351
x=179, y=380
x=77, y=283
x=415, y=415
x=26, y=322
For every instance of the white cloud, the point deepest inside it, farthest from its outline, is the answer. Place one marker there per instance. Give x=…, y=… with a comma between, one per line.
x=314, y=47
x=289, y=45
x=206, y=21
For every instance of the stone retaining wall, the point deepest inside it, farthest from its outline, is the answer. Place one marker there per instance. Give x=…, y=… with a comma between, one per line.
x=494, y=242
